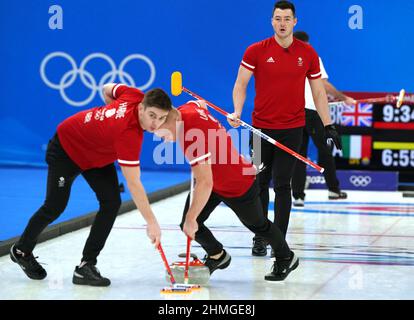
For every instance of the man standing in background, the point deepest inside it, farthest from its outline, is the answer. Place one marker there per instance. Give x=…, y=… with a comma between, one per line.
x=280, y=65
x=314, y=128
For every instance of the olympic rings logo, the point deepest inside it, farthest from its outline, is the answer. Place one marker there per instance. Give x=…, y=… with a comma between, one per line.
x=88, y=79
x=360, y=181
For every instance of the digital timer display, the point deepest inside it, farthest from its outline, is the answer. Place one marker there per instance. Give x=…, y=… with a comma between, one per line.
x=389, y=117
x=391, y=132
x=397, y=158
x=404, y=114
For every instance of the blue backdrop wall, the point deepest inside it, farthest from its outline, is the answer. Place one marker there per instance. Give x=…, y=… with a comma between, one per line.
x=46, y=49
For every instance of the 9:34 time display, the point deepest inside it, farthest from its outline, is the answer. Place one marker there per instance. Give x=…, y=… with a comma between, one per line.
x=404, y=114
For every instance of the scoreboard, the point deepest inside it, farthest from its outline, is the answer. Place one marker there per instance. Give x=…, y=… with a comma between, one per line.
x=393, y=137
x=376, y=136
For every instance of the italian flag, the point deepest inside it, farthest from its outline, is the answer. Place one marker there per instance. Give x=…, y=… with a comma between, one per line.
x=356, y=147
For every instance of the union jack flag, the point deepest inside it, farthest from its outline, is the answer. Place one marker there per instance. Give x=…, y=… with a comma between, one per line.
x=358, y=116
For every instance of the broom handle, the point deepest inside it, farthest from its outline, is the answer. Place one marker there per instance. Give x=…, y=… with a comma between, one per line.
x=167, y=266
x=187, y=257
x=258, y=132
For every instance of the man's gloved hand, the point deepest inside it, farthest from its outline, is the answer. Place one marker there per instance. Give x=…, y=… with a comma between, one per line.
x=332, y=134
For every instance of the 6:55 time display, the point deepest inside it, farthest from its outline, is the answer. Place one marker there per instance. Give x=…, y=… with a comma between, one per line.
x=397, y=158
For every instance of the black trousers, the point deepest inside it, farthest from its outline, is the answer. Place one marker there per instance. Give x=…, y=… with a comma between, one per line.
x=315, y=130
x=276, y=164
x=249, y=210
x=62, y=171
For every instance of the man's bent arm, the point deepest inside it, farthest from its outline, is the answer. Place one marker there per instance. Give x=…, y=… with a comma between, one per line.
x=239, y=91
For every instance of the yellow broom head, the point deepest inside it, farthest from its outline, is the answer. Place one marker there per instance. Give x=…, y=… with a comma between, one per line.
x=176, y=83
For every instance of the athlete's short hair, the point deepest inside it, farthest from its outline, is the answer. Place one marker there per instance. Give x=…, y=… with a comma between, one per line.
x=284, y=5
x=301, y=35
x=157, y=98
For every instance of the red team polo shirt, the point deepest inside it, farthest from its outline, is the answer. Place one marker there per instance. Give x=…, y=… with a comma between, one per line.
x=203, y=137
x=280, y=82
x=97, y=137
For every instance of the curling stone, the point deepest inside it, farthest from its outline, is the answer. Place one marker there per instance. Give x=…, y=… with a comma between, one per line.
x=198, y=273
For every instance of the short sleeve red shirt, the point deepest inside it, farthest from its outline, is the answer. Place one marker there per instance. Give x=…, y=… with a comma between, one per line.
x=203, y=137
x=280, y=81
x=99, y=136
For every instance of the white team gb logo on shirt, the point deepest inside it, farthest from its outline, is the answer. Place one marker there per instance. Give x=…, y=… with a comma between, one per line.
x=109, y=113
x=300, y=62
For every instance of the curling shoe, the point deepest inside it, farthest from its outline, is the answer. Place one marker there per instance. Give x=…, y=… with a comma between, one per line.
x=88, y=274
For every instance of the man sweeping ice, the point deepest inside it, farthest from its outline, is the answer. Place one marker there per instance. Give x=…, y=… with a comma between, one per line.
x=88, y=143
x=221, y=175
